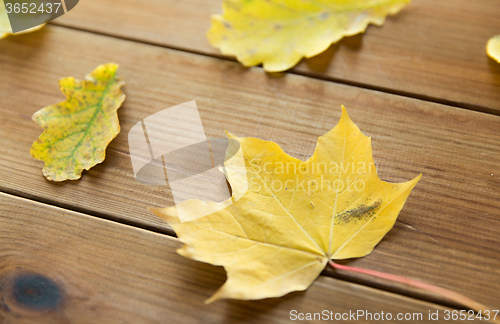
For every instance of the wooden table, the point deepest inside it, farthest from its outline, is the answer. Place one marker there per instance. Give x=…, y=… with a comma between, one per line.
x=421, y=86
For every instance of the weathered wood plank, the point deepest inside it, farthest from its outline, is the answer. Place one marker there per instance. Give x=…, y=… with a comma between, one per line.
x=432, y=49
x=447, y=233
x=58, y=266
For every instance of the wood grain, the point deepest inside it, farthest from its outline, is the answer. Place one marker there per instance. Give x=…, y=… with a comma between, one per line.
x=433, y=49
x=447, y=233
x=104, y=272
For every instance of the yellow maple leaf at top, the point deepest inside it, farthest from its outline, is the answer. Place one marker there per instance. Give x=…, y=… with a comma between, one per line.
x=78, y=130
x=278, y=33
x=493, y=48
x=293, y=216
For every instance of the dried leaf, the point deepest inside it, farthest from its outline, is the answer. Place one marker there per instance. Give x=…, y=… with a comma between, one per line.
x=295, y=215
x=78, y=130
x=278, y=33
x=493, y=48
x=4, y=21
x=5, y=29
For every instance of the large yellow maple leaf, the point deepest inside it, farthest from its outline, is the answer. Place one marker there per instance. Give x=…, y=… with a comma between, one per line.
x=493, y=48
x=278, y=33
x=78, y=130
x=293, y=216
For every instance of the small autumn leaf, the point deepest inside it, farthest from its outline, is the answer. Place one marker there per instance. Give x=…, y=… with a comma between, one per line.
x=493, y=48
x=5, y=28
x=279, y=33
x=296, y=215
x=78, y=130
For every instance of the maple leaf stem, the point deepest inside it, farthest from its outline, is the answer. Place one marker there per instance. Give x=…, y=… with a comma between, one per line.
x=454, y=296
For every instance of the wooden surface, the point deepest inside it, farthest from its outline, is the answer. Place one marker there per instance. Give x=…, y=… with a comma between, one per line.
x=433, y=49
x=447, y=233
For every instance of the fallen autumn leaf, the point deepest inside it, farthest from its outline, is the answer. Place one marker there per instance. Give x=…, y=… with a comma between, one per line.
x=295, y=217
x=78, y=130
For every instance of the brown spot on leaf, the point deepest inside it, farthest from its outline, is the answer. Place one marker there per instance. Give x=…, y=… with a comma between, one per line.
x=361, y=213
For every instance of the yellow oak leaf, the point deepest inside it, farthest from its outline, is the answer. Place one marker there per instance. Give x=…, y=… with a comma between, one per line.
x=5, y=29
x=293, y=216
x=493, y=48
x=278, y=33
x=78, y=130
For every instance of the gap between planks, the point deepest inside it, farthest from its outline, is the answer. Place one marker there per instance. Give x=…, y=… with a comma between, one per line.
x=87, y=211
x=396, y=289
x=121, y=273
x=400, y=93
